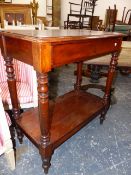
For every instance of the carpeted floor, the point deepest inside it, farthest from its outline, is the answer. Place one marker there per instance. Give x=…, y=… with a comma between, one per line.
x=94, y=150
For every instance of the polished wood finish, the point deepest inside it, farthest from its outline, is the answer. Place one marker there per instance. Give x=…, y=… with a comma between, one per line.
x=53, y=122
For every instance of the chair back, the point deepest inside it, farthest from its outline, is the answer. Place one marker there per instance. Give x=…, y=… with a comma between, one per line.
x=110, y=18
x=84, y=8
x=83, y=12
x=89, y=6
x=127, y=18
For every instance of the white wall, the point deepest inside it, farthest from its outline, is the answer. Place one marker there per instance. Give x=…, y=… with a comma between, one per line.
x=42, y=5
x=100, y=9
x=104, y=4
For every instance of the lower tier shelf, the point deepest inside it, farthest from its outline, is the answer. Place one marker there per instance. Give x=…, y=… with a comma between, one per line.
x=68, y=114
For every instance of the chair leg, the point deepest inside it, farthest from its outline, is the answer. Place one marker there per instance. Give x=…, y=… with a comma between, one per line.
x=20, y=135
x=125, y=71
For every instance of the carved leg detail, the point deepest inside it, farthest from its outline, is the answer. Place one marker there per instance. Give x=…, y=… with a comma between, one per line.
x=102, y=117
x=12, y=133
x=13, y=94
x=46, y=154
x=46, y=164
x=95, y=73
x=43, y=101
x=20, y=134
x=77, y=86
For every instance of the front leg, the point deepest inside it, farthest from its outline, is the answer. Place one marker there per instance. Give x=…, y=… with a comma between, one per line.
x=11, y=80
x=45, y=148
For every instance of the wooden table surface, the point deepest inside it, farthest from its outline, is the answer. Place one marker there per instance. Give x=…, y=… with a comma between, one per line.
x=53, y=122
x=60, y=46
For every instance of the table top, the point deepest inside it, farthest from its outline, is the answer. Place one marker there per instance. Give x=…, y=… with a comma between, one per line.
x=48, y=49
x=62, y=34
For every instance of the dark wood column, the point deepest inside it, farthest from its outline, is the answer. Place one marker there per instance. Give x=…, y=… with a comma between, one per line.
x=43, y=104
x=56, y=12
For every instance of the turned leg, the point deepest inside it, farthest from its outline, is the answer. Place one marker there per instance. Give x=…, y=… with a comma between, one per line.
x=77, y=86
x=95, y=73
x=12, y=89
x=109, y=81
x=45, y=148
x=13, y=94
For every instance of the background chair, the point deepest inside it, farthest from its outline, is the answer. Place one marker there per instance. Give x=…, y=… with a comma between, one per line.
x=124, y=25
x=80, y=15
x=108, y=25
x=126, y=17
x=6, y=146
x=94, y=67
x=124, y=63
x=110, y=19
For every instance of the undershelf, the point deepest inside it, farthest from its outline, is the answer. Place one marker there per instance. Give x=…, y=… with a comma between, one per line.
x=68, y=113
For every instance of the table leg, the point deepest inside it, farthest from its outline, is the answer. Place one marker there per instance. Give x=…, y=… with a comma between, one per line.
x=13, y=94
x=45, y=148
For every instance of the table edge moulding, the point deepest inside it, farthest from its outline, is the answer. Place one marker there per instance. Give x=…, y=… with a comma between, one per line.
x=52, y=123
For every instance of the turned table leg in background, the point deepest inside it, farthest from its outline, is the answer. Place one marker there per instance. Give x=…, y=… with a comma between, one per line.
x=77, y=86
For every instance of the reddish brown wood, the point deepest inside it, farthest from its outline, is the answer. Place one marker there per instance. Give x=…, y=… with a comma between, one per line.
x=79, y=76
x=62, y=127
x=111, y=73
x=55, y=121
x=12, y=89
x=44, y=120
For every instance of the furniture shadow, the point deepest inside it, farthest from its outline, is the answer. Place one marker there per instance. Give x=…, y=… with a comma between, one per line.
x=53, y=78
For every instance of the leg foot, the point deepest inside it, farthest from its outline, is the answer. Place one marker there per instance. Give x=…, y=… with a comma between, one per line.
x=46, y=164
x=20, y=135
x=102, y=117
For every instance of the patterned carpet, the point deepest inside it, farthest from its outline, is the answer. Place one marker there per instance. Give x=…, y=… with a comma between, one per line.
x=94, y=150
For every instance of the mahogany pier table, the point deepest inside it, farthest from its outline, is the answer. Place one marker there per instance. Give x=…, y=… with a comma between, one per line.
x=53, y=122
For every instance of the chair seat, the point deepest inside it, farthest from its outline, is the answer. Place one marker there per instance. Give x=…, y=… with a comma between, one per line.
x=23, y=90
